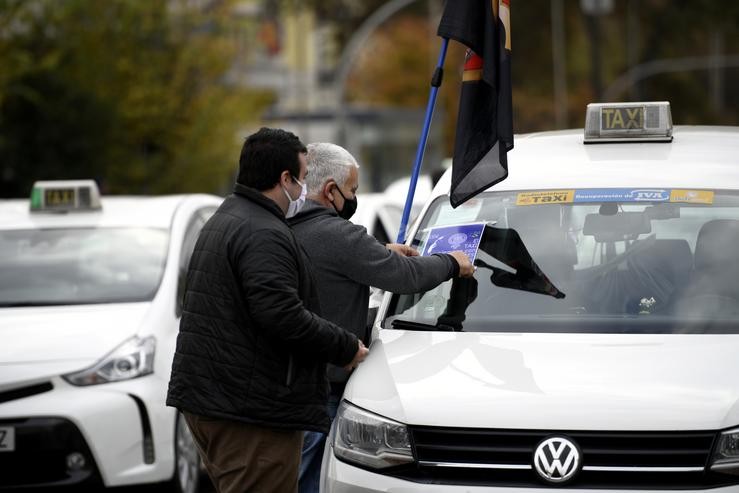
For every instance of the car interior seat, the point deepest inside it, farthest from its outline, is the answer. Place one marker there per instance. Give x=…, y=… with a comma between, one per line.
x=716, y=261
x=656, y=273
x=713, y=288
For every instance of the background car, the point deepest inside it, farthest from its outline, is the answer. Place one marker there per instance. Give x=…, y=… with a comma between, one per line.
x=594, y=348
x=90, y=298
x=381, y=213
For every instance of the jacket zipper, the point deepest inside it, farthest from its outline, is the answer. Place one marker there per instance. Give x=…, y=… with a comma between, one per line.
x=289, y=380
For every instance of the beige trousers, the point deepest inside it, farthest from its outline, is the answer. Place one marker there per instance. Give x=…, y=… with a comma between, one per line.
x=242, y=458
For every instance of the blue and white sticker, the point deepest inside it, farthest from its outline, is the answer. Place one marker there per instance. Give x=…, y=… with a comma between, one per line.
x=445, y=239
x=622, y=195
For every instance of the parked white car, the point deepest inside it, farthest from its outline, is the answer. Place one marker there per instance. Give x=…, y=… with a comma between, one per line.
x=90, y=296
x=596, y=347
x=379, y=216
x=381, y=213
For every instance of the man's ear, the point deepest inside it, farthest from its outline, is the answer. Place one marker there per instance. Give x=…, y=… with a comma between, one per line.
x=327, y=187
x=285, y=178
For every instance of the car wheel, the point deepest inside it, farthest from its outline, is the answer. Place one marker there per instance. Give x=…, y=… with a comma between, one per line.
x=186, y=477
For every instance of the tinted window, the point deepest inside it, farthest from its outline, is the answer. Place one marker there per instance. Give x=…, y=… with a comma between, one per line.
x=76, y=266
x=641, y=266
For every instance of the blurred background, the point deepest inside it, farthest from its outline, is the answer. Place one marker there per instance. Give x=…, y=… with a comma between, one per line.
x=156, y=96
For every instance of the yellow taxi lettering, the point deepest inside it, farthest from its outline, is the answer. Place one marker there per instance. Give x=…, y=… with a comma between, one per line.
x=623, y=118
x=59, y=197
x=607, y=117
x=537, y=198
x=634, y=117
x=618, y=121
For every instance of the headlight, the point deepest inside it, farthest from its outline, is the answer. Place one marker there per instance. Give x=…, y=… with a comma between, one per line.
x=370, y=440
x=726, y=453
x=134, y=358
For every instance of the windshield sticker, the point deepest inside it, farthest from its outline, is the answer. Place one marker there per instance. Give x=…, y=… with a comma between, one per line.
x=464, y=213
x=445, y=239
x=692, y=196
x=622, y=195
x=545, y=197
x=614, y=195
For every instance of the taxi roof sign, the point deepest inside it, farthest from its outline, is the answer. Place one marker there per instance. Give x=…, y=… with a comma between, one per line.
x=628, y=122
x=65, y=196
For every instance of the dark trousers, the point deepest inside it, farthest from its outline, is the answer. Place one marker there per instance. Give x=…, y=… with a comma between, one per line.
x=311, y=458
x=242, y=458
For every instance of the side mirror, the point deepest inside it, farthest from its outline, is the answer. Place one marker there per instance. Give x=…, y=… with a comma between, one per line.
x=616, y=227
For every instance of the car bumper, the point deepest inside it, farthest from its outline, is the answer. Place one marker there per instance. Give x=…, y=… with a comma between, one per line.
x=123, y=431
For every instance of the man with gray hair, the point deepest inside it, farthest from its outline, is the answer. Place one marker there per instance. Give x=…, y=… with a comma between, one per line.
x=347, y=262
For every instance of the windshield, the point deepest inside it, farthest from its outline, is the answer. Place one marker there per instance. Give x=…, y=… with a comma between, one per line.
x=79, y=266
x=644, y=261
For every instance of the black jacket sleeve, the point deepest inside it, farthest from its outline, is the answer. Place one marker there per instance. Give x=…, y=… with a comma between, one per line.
x=268, y=270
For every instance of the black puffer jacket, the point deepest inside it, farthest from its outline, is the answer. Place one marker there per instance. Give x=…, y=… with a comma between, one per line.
x=249, y=349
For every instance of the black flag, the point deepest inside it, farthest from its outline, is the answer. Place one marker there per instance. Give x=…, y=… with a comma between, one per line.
x=485, y=121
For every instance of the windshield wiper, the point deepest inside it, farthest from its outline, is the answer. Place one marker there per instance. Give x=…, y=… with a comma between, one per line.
x=19, y=304
x=412, y=325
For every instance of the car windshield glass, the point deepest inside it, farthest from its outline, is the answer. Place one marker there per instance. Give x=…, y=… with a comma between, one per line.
x=643, y=261
x=79, y=266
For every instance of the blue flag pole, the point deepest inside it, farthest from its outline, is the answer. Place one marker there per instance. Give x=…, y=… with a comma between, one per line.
x=435, y=83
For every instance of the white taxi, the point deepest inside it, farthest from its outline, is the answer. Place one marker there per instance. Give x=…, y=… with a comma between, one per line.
x=90, y=297
x=596, y=348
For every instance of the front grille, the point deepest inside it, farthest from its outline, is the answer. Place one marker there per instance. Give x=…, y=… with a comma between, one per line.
x=610, y=459
x=20, y=393
x=40, y=458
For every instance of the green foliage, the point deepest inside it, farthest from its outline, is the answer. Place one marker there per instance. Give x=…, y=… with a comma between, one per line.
x=128, y=92
x=394, y=67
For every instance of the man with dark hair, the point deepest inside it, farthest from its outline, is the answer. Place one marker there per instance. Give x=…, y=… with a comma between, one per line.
x=249, y=371
x=348, y=262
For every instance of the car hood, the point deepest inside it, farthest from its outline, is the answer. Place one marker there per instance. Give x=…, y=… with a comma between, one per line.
x=551, y=381
x=41, y=342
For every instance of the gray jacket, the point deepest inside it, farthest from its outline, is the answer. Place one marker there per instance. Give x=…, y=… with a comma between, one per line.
x=347, y=261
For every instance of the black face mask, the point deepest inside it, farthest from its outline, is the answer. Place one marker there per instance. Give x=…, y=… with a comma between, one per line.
x=350, y=206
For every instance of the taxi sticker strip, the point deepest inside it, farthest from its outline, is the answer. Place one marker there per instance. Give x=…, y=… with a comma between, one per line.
x=545, y=197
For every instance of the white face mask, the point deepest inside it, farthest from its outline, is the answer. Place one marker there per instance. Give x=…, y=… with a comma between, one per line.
x=295, y=205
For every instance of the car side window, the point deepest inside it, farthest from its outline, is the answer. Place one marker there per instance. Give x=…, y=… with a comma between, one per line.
x=188, y=245
x=378, y=231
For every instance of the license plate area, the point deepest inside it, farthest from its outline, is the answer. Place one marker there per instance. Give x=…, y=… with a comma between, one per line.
x=7, y=439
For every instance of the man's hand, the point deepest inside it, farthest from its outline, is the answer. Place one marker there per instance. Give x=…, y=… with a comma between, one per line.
x=466, y=269
x=362, y=353
x=404, y=250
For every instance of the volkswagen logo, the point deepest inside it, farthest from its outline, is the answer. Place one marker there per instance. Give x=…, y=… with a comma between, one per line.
x=557, y=460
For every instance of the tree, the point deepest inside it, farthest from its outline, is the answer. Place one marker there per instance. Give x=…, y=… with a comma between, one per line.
x=130, y=93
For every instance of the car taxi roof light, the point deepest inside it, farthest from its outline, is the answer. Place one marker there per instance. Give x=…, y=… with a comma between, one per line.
x=628, y=122
x=65, y=196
